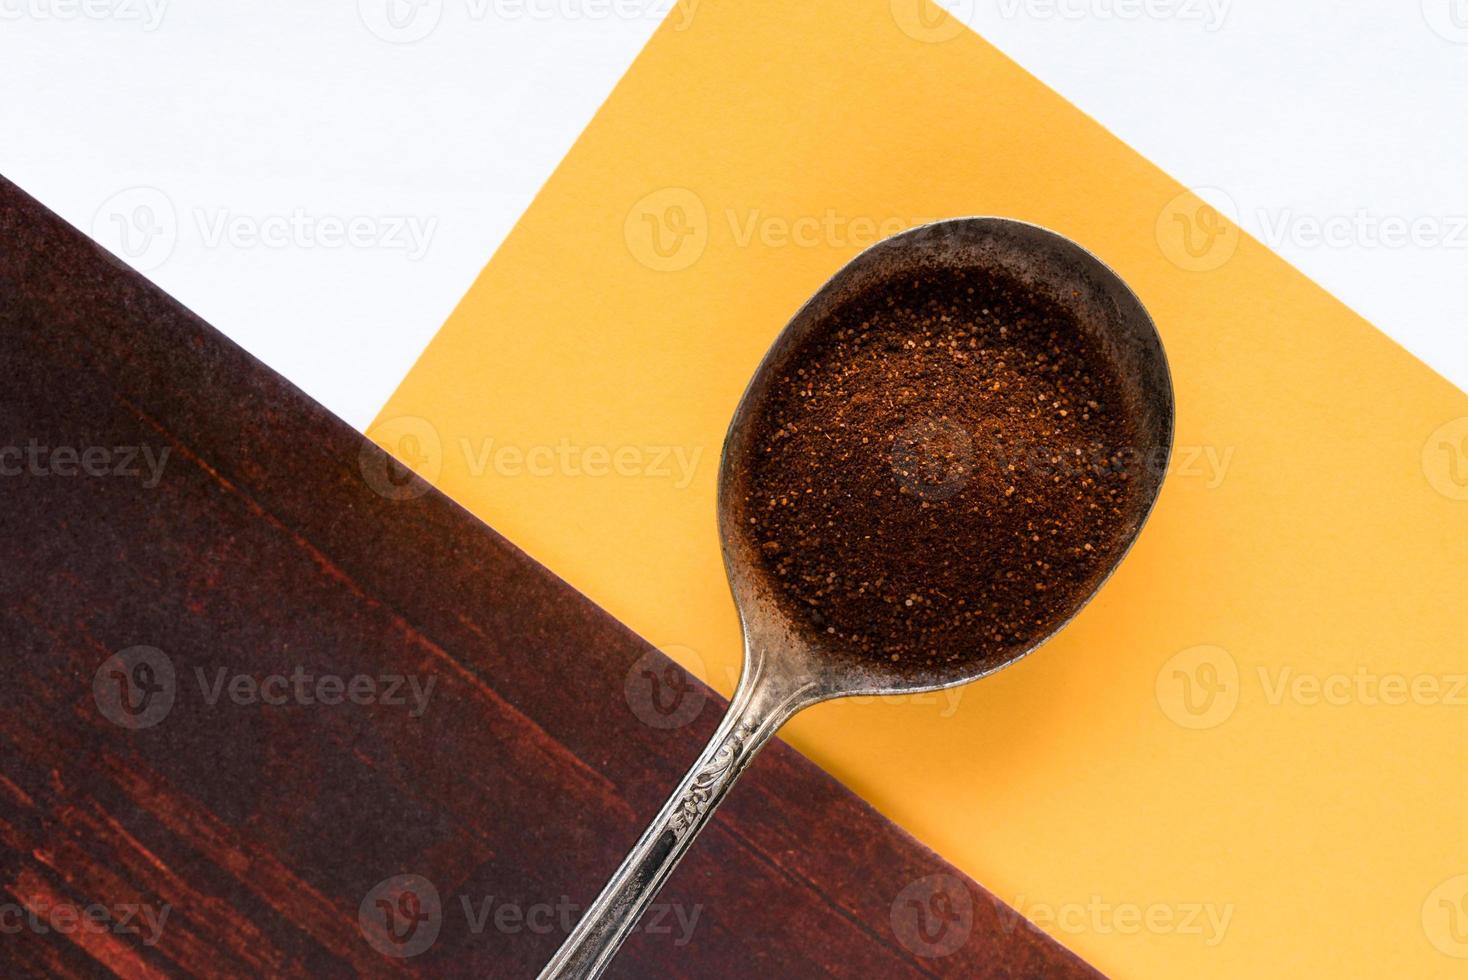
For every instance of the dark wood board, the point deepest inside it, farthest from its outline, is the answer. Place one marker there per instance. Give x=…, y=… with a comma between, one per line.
x=274, y=540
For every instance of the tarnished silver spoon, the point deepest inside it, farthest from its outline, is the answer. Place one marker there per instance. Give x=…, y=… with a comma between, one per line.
x=786, y=668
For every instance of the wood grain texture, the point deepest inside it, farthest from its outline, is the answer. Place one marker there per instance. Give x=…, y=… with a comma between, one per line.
x=266, y=547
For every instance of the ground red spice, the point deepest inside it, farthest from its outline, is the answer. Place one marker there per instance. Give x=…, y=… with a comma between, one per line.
x=944, y=472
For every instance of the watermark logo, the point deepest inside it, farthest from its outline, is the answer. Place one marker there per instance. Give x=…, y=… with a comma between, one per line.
x=413, y=456
x=1362, y=228
x=139, y=225
x=933, y=916
x=410, y=234
x=513, y=918
x=143, y=226
x=401, y=916
x=667, y=230
x=1447, y=18
x=412, y=461
x=1201, y=686
x=138, y=687
x=926, y=21
x=400, y=21
x=1445, y=917
x=1445, y=459
x=648, y=461
x=1198, y=688
x=135, y=688
x=933, y=459
x=1197, y=234
x=830, y=229
x=663, y=694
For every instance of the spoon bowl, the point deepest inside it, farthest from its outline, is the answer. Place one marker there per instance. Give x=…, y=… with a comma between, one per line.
x=788, y=664
x=1042, y=260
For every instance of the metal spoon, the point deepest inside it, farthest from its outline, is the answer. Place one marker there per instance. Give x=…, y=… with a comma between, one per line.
x=785, y=669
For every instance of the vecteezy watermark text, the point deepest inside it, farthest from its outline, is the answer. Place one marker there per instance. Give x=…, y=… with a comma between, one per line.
x=137, y=688
x=146, y=13
x=1201, y=687
x=1210, y=14
x=407, y=233
x=1362, y=228
x=408, y=21
x=1207, y=921
x=403, y=915
x=42, y=917
x=935, y=459
x=304, y=687
x=418, y=451
x=566, y=458
x=668, y=229
x=35, y=458
x=541, y=918
x=664, y=695
x=143, y=226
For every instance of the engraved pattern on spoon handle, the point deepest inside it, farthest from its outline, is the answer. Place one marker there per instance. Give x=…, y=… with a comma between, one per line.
x=713, y=777
x=760, y=706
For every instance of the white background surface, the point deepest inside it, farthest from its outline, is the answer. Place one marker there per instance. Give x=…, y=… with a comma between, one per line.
x=323, y=187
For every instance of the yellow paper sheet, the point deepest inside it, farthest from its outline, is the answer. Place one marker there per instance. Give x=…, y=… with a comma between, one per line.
x=1205, y=775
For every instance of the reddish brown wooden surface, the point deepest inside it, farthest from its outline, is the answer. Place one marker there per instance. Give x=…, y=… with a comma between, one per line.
x=262, y=829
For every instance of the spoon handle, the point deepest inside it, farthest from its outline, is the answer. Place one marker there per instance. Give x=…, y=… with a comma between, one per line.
x=760, y=706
